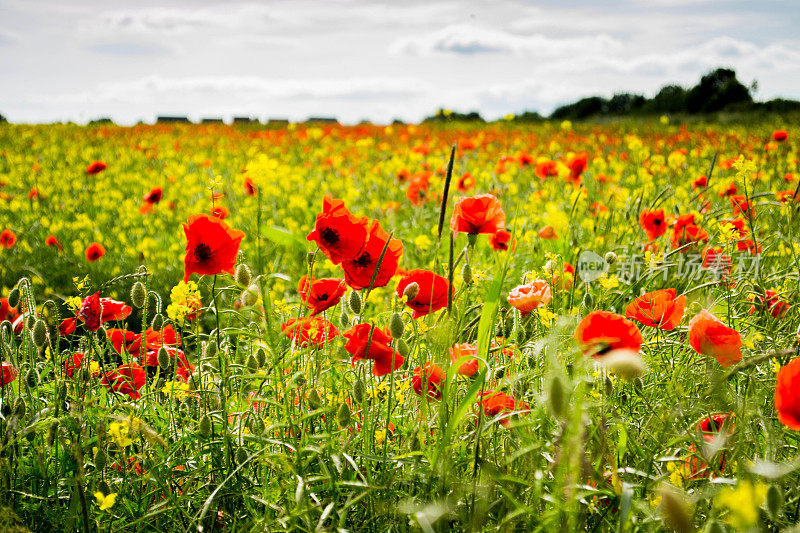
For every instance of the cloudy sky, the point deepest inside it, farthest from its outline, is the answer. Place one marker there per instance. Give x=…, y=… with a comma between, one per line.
x=70, y=60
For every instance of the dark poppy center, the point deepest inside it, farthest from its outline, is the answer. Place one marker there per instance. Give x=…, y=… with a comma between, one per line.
x=657, y=222
x=363, y=260
x=202, y=252
x=322, y=297
x=330, y=235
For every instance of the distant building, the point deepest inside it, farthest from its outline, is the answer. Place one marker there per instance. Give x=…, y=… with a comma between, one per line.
x=172, y=119
x=277, y=122
x=209, y=120
x=244, y=120
x=321, y=120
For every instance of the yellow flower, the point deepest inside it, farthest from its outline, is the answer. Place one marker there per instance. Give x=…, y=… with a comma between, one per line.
x=185, y=298
x=727, y=232
x=105, y=502
x=119, y=432
x=175, y=388
x=566, y=125
x=608, y=282
x=742, y=503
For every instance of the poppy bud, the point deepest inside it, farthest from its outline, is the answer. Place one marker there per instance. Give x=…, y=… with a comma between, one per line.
x=354, y=302
x=415, y=443
x=249, y=296
x=100, y=459
x=401, y=347
x=251, y=363
x=358, y=391
x=556, y=396
x=158, y=322
x=343, y=415
x=774, y=501
x=163, y=358
x=32, y=378
x=241, y=455
x=205, y=426
x=13, y=297
x=314, y=401
x=310, y=259
x=344, y=318
x=675, y=509
x=211, y=348
x=396, y=325
x=39, y=333
x=466, y=274
x=411, y=291
x=261, y=357
x=258, y=426
x=30, y=321
x=19, y=407
x=138, y=294
x=84, y=374
x=610, y=258
x=52, y=432
x=243, y=275
x=588, y=301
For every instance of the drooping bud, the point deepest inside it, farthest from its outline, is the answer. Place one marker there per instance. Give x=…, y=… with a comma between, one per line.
x=556, y=396
x=626, y=364
x=163, y=358
x=550, y=266
x=396, y=326
x=314, y=400
x=261, y=357
x=714, y=526
x=608, y=386
x=138, y=294
x=358, y=391
x=158, y=322
x=19, y=407
x=100, y=459
x=243, y=275
x=251, y=363
x=52, y=432
x=32, y=378
x=354, y=302
x=102, y=430
x=343, y=415
x=411, y=291
x=249, y=296
x=102, y=335
x=402, y=347
x=205, y=426
x=588, y=301
x=466, y=274
x=675, y=510
x=299, y=379
x=211, y=348
x=774, y=501
x=39, y=333
x=13, y=298
x=344, y=318
x=241, y=455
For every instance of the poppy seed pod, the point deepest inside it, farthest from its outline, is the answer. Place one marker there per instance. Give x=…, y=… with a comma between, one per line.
x=13, y=297
x=205, y=427
x=243, y=275
x=396, y=325
x=354, y=303
x=39, y=333
x=138, y=294
x=343, y=415
x=610, y=258
x=411, y=291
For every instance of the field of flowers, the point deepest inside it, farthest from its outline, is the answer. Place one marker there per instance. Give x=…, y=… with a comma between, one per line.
x=411, y=327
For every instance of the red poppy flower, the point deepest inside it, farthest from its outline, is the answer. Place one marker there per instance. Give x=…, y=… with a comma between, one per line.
x=6, y=311
x=211, y=246
x=94, y=252
x=702, y=181
x=8, y=373
x=729, y=191
x=52, y=241
x=153, y=340
x=748, y=245
x=500, y=240
x=403, y=175
x=714, y=259
x=154, y=196
x=478, y=214
x=601, y=331
x=771, y=302
x=466, y=182
x=528, y=297
x=429, y=376
x=577, y=164
x=7, y=239
x=120, y=338
x=658, y=309
x=340, y=235
x=304, y=331
x=741, y=204
x=67, y=326
x=780, y=135
x=33, y=194
x=183, y=369
x=358, y=271
x=72, y=363
x=496, y=403
x=364, y=341
x=91, y=311
x=96, y=168
x=522, y=159
x=321, y=294
x=432, y=294
x=250, y=188
x=472, y=364
x=709, y=336
x=221, y=212
x=785, y=196
x=686, y=231
x=653, y=223
x=711, y=429
x=787, y=394
x=417, y=187
x=548, y=233
x=546, y=168
x=126, y=379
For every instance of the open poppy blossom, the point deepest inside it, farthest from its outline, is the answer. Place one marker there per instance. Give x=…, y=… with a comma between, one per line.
x=686, y=231
x=321, y=294
x=365, y=341
x=338, y=233
x=306, y=331
x=601, y=331
x=478, y=214
x=250, y=188
x=126, y=379
x=7, y=239
x=96, y=167
x=52, y=241
x=658, y=309
x=741, y=204
x=770, y=302
x=700, y=182
x=548, y=233
x=8, y=373
x=430, y=377
x=780, y=135
x=95, y=311
x=417, y=190
x=500, y=240
x=653, y=222
x=709, y=336
x=787, y=394
x=528, y=297
x=359, y=270
x=211, y=246
x=497, y=403
x=67, y=326
x=121, y=338
x=432, y=294
x=471, y=366
x=546, y=168
x=465, y=183
x=94, y=252
x=710, y=428
x=154, y=196
x=577, y=164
